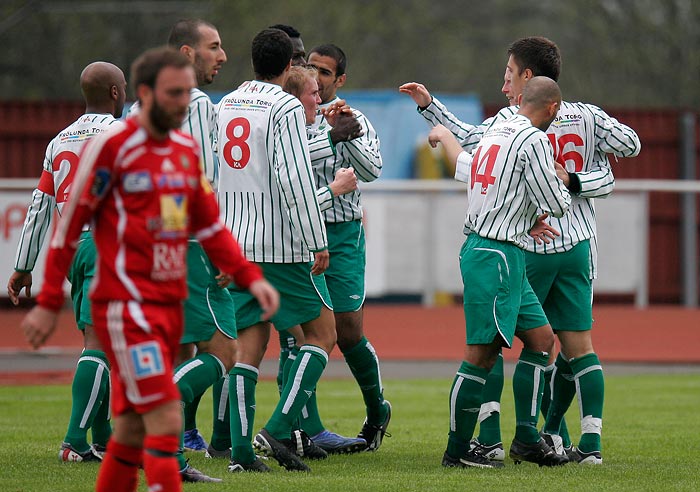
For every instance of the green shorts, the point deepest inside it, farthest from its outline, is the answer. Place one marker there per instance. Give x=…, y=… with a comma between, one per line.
x=497, y=295
x=208, y=307
x=80, y=275
x=563, y=285
x=345, y=275
x=302, y=296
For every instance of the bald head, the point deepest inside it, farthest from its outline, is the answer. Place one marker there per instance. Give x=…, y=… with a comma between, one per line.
x=540, y=101
x=104, y=88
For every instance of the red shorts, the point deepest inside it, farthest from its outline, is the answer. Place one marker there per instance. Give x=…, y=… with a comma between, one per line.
x=140, y=341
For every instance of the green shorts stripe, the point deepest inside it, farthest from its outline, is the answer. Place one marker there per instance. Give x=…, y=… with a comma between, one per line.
x=302, y=295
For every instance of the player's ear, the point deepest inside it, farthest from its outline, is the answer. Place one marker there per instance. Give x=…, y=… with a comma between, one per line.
x=340, y=81
x=188, y=51
x=518, y=99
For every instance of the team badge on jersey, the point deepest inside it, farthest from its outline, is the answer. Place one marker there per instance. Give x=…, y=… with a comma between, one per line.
x=137, y=182
x=147, y=360
x=100, y=182
x=173, y=214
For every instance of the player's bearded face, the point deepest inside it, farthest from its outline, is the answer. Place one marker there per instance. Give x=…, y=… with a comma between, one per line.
x=164, y=120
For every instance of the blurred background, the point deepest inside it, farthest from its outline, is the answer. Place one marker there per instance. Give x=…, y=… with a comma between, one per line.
x=638, y=60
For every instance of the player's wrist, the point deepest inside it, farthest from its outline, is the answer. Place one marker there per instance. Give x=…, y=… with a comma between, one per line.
x=423, y=108
x=574, y=185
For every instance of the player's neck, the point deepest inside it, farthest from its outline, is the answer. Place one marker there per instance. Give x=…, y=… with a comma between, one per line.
x=152, y=131
x=97, y=109
x=280, y=80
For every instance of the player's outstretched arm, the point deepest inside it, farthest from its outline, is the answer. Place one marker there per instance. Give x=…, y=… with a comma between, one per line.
x=418, y=92
x=38, y=325
x=440, y=134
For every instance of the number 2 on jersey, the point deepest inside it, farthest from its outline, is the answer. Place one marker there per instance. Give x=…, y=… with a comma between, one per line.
x=237, y=132
x=482, y=167
x=72, y=160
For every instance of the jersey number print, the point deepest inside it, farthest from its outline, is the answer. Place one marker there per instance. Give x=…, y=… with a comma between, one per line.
x=236, y=150
x=72, y=162
x=482, y=167
x=571, y=155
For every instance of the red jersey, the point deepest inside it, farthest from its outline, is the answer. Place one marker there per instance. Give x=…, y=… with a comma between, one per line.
x=144, y=198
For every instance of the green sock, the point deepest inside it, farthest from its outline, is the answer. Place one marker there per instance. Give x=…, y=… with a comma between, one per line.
x=304, y=375
x=563, y=392
x=528, y=386
x=101, y=426
x=192, y=378
x=241, y=397
x=465, y=401
x=190, y=413
x=310, y=420
x=590, y=387
x=221, y=433
x=364, y=365
x=490, y=412
x=90, y=388
x=287, y=343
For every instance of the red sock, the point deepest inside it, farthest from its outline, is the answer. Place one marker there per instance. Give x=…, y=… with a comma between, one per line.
x=160, y=465
x=119, y=471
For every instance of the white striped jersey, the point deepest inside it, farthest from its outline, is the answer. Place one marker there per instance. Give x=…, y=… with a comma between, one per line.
x=581, y=136
x=362, y=154
x=267, y=194
x=201, y=124
x=510, y=175
x=320, y=149
x=60, y=164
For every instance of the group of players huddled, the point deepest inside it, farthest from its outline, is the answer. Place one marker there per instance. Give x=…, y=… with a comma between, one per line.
x=248, y=214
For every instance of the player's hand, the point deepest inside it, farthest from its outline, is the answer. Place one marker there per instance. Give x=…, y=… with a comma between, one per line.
x=418, y=92
x=562, y=173
x=38, y=325
x=223, y=279
x=17, y=282
x=267, y=296
x=437, y=135
x=321, y=261
x=345, y=181
x=346, y=128
x=338, y=108
x=542, y=232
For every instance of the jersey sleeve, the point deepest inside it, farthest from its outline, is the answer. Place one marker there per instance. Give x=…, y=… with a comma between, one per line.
x=291, y=163
x=362, y=153
x=598, y=181
x=90, y=185
x=463, y=167
x=320, y=148
x=613, y=137
x=218, y=243
x=468, y=135
x=38, y=218
x=544, y=188
x=325, y=198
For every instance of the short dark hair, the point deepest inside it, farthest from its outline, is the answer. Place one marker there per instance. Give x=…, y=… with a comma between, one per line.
x=291, y=32
x=539, y=54
x=185, y=32
x=334, y=52
x=146, y=67
x=271, y=53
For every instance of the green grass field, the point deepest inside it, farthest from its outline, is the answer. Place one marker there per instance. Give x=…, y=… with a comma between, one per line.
x=651, y=442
